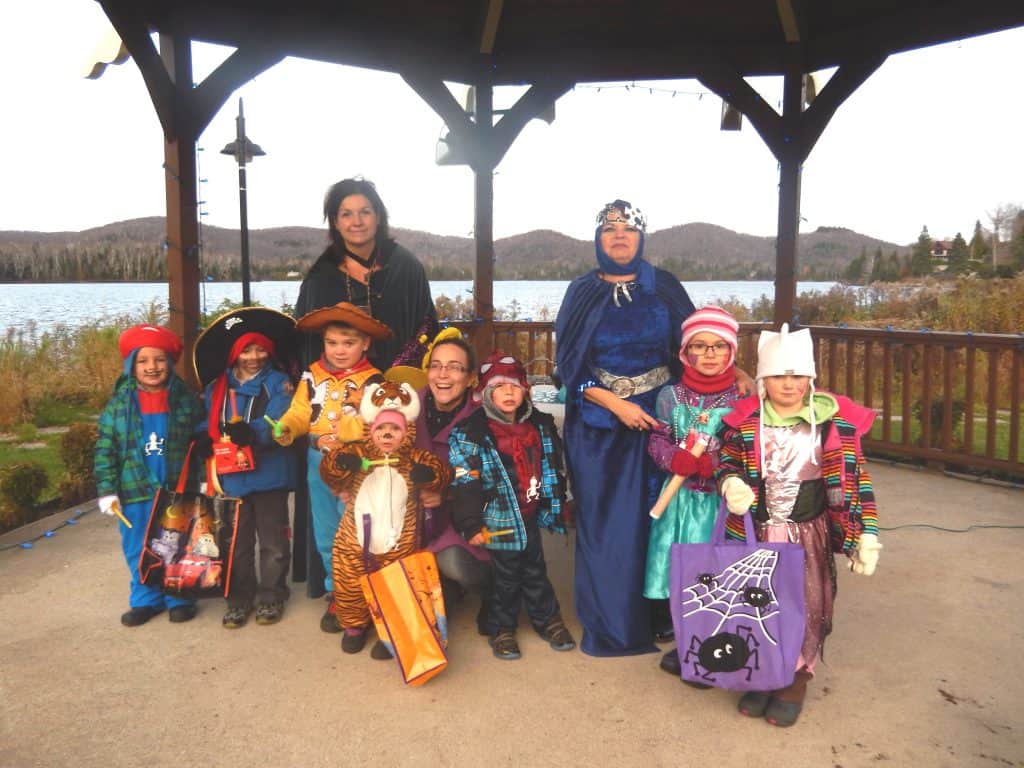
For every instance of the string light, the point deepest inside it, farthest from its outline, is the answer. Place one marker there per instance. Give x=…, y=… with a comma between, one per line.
x=651, y=90
x=49, y=534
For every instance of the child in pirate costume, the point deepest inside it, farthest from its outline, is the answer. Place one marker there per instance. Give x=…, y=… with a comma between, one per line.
x=382, y=475
x=251, y=389
x=326, y=407
x=686, y=446
x=792, y=458
x=144, y=433
x=508, y=485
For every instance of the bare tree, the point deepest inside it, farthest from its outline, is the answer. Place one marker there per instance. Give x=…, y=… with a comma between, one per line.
x=1002, y=219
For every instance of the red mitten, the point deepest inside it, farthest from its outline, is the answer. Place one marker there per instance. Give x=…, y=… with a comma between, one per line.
x=704, y=467
x=684, y=463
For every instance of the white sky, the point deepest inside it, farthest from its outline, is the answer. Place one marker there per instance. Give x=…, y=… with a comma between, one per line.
x=933, y=138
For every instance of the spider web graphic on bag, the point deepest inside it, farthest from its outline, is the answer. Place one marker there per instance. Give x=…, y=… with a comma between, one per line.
x=742, y=591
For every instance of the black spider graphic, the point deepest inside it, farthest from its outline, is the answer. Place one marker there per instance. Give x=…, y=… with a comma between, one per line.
x=756, y=596
x=724, y=652
x=707, y=579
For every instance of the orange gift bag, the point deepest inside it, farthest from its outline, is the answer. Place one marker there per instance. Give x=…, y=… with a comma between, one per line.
x=408, y=613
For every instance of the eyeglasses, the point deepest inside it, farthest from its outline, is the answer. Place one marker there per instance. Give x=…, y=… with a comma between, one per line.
x=700, y=348
x=455, y=368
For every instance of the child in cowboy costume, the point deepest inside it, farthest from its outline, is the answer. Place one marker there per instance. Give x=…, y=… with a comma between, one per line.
x=508, y=485
x=144, y=433
x=792, y=458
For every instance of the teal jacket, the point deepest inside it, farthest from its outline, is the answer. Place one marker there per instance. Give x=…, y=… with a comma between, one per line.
x=119, y=465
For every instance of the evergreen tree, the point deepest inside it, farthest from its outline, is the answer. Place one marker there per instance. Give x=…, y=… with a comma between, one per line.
x=959, y=255
x=921, y=255
x=979, y=247
x=854, y=272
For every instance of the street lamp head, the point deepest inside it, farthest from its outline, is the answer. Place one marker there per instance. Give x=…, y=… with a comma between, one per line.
x=243, y=150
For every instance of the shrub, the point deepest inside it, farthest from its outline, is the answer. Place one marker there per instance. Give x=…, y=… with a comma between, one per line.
x=20, y=486
x=77, y=447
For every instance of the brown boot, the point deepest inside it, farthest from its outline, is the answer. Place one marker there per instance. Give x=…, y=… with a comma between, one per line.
x=787, y=703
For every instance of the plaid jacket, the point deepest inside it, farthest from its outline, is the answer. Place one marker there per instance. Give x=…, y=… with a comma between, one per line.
x=485, y=494
x=850, y=497
x=119, y=465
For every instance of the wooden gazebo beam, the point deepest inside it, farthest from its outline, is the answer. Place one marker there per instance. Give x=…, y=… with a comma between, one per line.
x=484, y=144
x=790, y=136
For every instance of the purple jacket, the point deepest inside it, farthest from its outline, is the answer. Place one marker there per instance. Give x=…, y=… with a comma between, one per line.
x=440, y=531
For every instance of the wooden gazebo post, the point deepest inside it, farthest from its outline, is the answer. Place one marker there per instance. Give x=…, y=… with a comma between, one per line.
x=790, y=136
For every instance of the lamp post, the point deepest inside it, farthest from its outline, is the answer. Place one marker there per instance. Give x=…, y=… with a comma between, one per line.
x=243, y=151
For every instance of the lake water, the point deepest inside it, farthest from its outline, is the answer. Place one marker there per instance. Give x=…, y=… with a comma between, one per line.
x=74, y=304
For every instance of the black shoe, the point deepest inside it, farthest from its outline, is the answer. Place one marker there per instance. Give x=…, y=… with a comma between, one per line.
x=504, y=646
x=664, y=636
x=269, y=613
x=235, y=617
x=670, y=663
x=182, y=613
x=353, y=640
x=136, y=617
x=380, y=651
x=329, y=621
x=557, y=634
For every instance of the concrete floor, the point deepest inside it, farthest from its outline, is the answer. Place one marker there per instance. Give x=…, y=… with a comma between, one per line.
x=920, y=671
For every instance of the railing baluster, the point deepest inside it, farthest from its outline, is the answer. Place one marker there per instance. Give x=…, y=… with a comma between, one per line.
x=887, y=385
x=969, y=398
x=947, y=398
x=1016, y=373
x=993, y=402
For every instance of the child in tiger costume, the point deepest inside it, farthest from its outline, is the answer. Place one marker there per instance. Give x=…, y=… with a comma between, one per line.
x=382, y=475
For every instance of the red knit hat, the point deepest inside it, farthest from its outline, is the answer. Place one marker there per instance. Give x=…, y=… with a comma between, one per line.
x=500, y=368
x=145, y=335
x=714, y=320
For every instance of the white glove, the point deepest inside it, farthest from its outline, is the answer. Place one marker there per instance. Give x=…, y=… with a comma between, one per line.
x=864, y=559
x=738, y=495
x=108, y=504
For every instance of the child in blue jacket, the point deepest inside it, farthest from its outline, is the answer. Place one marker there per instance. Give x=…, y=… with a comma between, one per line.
x=507, y=460
x=262, y=476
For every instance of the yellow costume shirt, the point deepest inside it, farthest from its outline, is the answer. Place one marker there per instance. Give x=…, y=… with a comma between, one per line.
x=326, y=403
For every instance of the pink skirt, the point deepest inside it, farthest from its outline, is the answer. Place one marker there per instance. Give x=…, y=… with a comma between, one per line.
x=819, y=580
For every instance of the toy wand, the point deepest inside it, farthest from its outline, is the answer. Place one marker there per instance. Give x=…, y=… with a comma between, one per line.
x=488, y=535
x=274, y=425
x=116, y=509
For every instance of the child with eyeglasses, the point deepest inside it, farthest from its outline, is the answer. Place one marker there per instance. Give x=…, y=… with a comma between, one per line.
x=690, y=412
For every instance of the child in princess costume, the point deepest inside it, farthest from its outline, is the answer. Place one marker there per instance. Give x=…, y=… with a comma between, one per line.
x=144, y=434
x=687, y=446
x=382, y=476
x=792, y=458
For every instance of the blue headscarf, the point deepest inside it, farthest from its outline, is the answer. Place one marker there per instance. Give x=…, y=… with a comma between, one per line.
x=621, y=210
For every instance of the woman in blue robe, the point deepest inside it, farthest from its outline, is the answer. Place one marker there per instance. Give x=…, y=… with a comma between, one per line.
x=618, y=333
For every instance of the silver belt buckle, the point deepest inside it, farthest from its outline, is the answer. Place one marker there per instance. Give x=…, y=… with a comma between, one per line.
x=623, y=387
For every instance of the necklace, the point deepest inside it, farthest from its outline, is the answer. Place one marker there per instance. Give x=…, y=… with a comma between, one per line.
x=702, y=414
x=622, y=289
x=351, y=299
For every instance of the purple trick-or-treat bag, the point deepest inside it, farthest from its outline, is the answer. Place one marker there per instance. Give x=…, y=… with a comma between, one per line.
x=738, y=610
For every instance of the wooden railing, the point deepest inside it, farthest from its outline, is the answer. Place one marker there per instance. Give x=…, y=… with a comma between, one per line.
x=949, y=400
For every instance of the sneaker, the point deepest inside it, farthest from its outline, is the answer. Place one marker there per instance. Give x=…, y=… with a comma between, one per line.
x=353, y=640
x=329, y=621
x=557, y=634
x=136, y=617
x=235, y=617
x=380, y=651
x=504, y=646
x=182, y=613
x=269, y=613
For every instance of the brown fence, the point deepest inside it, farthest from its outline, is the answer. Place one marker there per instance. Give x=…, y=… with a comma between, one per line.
x=949, y=400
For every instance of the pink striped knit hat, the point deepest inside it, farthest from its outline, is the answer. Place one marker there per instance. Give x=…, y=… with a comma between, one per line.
x=714, y=320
